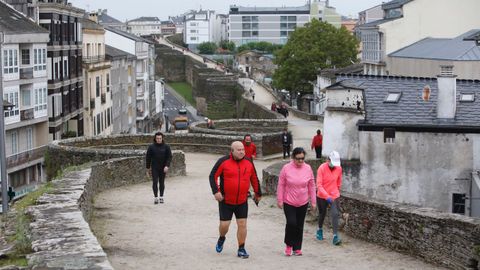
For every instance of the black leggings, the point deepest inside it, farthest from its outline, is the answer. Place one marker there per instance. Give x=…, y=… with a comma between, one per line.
x=158, y=176
x=286, y=151
x=294, y=229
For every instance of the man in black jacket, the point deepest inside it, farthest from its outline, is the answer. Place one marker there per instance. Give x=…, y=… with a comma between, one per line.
x=286, y=142
x=158, y=160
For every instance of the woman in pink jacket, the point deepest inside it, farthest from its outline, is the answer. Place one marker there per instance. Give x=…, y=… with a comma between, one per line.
x=295, y=189
x=329, y=181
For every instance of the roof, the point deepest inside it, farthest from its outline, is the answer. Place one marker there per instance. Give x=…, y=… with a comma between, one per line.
x=104, y=18
x=352, y=69
x=145, y=19
x=456, y=49
x=127, y=35
x=411, y=110
x=89, y=24
x=376, y=23
x=114, y=53
x=395, y=4
x=269, y=10
x=14, y=22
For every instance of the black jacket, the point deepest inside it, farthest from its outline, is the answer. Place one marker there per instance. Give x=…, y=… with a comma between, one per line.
x=158, y=156
x=289, y=139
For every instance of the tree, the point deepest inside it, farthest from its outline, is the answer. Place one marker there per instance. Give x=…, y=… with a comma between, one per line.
x=207, y=47
x=317, y=45
x=227, y=45
x=261, y=46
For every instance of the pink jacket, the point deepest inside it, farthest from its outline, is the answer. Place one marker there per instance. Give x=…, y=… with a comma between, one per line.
x=329, y=181
x=296, y=185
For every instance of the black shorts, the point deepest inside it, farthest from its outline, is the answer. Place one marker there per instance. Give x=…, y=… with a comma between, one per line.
x=227, y=210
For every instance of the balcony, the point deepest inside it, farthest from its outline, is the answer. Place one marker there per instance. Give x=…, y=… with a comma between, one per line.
x=25, y=157
x=93, y=59
x=26, y=73
x=104, y=98
x=27, y=114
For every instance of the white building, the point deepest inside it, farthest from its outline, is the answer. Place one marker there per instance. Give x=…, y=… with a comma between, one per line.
x=417, y=140
x=408, y=21
x=145, y=26
x=200, y=27
x=146, y=91
x=275, y=24
x=23, y=53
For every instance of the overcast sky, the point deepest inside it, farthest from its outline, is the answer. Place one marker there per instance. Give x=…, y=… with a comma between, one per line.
x=124, y=10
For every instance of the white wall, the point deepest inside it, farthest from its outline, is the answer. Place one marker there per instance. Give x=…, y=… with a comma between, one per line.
x=340, y=133
x=423, y=169
x=120, y=42
x=422, y=19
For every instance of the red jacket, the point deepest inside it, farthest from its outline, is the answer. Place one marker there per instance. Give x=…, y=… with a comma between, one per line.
x=317, y=141
x=235, y=179
x=250, y=150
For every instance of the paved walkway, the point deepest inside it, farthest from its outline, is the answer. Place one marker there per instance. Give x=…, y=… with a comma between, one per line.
x=181, y=234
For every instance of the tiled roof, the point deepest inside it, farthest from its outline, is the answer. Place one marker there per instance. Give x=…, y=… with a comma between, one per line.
x=114, y=53
x=107, y=19
x=395, y=4
x=127, y=35
x=145, y=19
x=456, y=49
x=14, y=22
x=411, y=109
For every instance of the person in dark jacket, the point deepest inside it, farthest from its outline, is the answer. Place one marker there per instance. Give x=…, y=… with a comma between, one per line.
x=157, y=161
x=236, y=174
x=286, y=143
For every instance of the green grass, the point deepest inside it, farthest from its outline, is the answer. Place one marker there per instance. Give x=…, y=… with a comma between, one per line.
x=18, y=261
x=185, y=90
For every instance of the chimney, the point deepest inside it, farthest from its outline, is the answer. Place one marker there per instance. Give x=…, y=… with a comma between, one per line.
x=447, y=93
x=93, y=16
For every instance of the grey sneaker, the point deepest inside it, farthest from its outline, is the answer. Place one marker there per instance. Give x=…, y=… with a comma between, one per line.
x=155, y=201
x=160, y=200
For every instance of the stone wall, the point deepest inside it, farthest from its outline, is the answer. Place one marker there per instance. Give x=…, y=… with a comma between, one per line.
x=265, y=133
x=441, y=238
x=171, y=64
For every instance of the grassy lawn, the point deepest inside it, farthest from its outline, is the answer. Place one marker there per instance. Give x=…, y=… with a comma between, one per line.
x=185, y=90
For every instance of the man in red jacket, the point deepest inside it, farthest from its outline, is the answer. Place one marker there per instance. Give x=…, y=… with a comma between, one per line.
x=236, y=175
x=250, y=147
x=317, y=142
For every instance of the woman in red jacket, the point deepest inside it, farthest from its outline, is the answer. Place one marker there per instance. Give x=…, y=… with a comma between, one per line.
x=329, y=181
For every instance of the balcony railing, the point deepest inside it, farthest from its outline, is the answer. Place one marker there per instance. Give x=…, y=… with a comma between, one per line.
x=27, y=114
x=26, y=73
x=25, y=157
x=93, y=59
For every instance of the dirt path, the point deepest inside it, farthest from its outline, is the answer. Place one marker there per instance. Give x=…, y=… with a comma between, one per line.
x=181, y=234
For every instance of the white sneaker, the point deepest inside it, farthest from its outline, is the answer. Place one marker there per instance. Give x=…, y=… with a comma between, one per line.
x=155, y=201
x=160, y=200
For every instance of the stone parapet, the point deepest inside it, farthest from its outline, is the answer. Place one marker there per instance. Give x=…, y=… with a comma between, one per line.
x=445, y=239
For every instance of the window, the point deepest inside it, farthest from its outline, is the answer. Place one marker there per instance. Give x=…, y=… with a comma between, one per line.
x=12, y=97
x=26, y=98
x=40, y=99
x=108, y=82
x=97, y=86
x=193, y=31
x=10, y=61
x=26, y=57
x=29, y=138
x=14, y=142
x=40, y=59
x=193, y=38
x=388, y=135
x=393, y=97
x=458, y=203
x=467, y=97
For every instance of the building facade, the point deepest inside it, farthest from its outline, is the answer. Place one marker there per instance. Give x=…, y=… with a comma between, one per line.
x=24, y=83
x=394, y=31
x=199, y=28
x=145, y=26
x=123, y=90
x=64, y=67
x=97, y=81
x=275, y=24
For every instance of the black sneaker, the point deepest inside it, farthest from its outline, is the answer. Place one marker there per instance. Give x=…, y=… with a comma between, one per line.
x=160, y=200
x=219, y=246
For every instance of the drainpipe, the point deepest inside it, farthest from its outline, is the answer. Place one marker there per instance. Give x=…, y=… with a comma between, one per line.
x=3, y=161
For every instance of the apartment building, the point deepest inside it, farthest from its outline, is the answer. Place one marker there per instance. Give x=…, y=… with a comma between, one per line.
x=407, y=21
x=97, y=81
x=275, y=24
x=24, y=78
x=199, y=28
x=147, y=103
x=145, y=26
x=123, y=90
x=168, y=28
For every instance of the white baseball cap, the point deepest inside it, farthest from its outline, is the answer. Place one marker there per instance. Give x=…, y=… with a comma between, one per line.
x=334, y=158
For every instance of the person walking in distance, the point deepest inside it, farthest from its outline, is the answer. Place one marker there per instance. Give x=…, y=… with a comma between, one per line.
x=250, y=147
x=286, y=142
x=157, y=161
x=296, y=187
x=317, y=143
x=236, y=174
x=329, y=181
